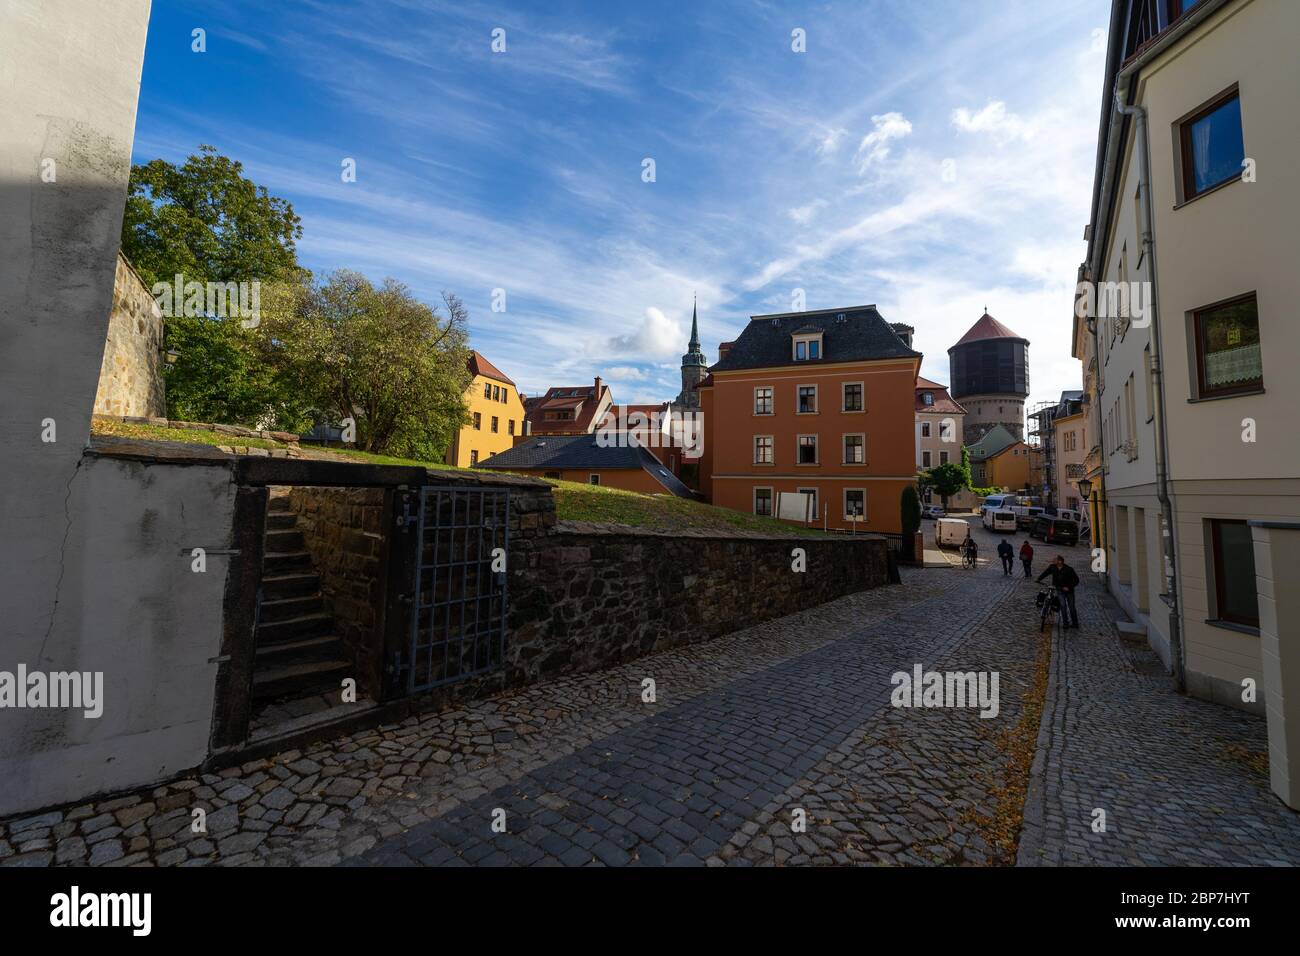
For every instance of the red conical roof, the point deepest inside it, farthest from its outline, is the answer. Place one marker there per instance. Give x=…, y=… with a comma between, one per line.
x=987, y=328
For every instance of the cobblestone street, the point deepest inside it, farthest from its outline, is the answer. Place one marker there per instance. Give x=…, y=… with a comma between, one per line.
x=749, y=733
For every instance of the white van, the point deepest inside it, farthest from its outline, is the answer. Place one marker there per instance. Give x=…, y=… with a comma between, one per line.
x=994, y=502
x=1003, y=519
x=950, y=532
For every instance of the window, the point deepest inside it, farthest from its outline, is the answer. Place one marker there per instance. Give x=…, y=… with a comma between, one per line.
x=478, y=421
x=855, y=449
x=510, y=426
x=855, y=503
x=763, y=450
x=473, y=458
x=925, y=459
x=807, y=450
x=853, y=396
x=807, y=348
x=945, y=430
x=552, y=474
x=593, y=479
x=487, y=389
x=763, y=501
x=763, y=400
x=494, y=424
x=943, y=458
x=1227, y=348
x=927, y=398
x=925, y=429
x=1211, y=148
x=1233, y=556
x=807, y=399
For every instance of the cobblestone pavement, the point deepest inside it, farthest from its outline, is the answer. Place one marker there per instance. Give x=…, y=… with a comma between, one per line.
x=746, y=730
x=1181, y=781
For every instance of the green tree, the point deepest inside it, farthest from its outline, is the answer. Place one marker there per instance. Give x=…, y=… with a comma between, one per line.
x=947, y=479
x=205, y=222
x=378, y=356
x=911, y=518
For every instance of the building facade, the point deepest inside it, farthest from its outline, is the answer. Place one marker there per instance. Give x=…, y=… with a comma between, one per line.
x=569, y=410
x=1195, y=201
x=939, y=422
x=989, y=375
x=496, y=415
x=816, y=404
x=999, y=460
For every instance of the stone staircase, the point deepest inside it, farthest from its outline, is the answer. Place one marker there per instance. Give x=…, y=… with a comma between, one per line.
x=297, y=652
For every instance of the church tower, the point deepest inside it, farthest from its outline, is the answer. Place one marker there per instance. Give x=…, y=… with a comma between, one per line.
x=694, y=367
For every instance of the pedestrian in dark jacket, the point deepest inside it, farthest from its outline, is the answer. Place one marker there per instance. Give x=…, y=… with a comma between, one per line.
x=1006, y=554
x=1027, y=556
x=1065, y=581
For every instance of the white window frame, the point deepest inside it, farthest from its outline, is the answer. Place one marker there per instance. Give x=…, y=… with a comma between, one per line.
x=843, y=457
x=771, y=400
x=817, y=398
x=844, y=501
x=805, y=338
x=844, y=403
x=593, y=478
x=817, y=450
x=772, y=447
x=925, y=430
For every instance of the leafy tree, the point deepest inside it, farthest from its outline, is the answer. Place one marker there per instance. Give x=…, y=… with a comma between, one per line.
x=376, y=355
x=911, y=518
x=947, y=479
x=206, y=222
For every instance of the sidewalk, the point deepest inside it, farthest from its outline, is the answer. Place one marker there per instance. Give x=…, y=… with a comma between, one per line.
x=1181, y=781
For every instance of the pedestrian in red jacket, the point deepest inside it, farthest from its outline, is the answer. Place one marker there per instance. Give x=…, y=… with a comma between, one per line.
x=1027, y=556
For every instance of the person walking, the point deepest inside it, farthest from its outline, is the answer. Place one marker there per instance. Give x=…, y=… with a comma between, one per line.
x=1006, y=554
x=1065, y=580
x=1027, y=556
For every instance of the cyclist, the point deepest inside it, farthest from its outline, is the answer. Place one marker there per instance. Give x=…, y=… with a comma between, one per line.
x=1064, y=581
x=969, y=550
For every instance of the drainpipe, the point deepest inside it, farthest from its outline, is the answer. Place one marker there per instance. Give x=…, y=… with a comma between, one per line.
x=1139, y=115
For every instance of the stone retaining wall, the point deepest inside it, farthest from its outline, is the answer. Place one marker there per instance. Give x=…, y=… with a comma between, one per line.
x=590, y=596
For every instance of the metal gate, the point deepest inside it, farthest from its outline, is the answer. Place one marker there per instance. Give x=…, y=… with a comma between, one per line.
x=459, y=606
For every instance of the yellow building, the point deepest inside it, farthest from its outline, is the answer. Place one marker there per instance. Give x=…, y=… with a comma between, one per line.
x=496, y=415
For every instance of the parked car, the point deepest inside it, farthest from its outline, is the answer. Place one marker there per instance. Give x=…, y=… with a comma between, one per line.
x=994, y=502
x=1004, y=519
x=1055, y=530
x=1026, y=515
x=933, y=511
x=950, y=532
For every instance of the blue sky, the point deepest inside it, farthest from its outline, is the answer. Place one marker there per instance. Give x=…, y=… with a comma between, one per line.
x=932, y=158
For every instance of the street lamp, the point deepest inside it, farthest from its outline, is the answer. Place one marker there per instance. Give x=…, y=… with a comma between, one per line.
x=1085, y=487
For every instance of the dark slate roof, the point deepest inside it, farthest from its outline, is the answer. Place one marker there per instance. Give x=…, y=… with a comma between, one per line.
x=864, y=335
x=562, y=452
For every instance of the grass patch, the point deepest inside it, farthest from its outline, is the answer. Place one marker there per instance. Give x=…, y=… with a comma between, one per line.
x=575, y=501
x=190, y=436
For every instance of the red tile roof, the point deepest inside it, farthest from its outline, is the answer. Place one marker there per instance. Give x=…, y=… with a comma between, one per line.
x=987, y=327
x=584, y=399
x=478, y=365
x=943, y=402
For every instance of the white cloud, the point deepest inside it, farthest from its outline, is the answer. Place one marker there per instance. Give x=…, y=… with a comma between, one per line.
x=995, y=120
x=804, y=214
x=626, y=373
x=656, y=337
x=874, y=147
x=830, y=142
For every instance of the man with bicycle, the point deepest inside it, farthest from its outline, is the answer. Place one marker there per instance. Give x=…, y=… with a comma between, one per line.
x=969, y=550
x=1064, y=581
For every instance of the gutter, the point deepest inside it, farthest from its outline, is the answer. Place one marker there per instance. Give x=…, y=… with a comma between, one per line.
x=1143, y=147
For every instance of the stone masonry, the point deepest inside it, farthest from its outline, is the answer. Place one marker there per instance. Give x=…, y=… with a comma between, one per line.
x=130, y=378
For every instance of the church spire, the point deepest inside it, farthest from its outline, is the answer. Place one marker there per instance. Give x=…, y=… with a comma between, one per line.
x=694, y=345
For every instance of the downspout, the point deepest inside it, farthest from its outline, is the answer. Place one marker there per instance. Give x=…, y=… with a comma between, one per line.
x=1139, y=116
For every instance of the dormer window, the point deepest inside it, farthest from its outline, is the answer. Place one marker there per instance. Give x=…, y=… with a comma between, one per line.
x=927, y=398
x=807, y=346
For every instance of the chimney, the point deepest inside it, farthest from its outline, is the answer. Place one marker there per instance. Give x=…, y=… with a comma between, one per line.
x=723, y=349
x=598, y=383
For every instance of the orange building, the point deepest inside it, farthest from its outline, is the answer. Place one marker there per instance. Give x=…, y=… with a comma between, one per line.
x=813, y=402
x=496, y=415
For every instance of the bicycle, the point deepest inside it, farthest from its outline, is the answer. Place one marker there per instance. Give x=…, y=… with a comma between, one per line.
x=968, y=556
x=1050, y=604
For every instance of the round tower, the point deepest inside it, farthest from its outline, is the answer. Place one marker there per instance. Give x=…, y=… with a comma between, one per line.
x=989, y=375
